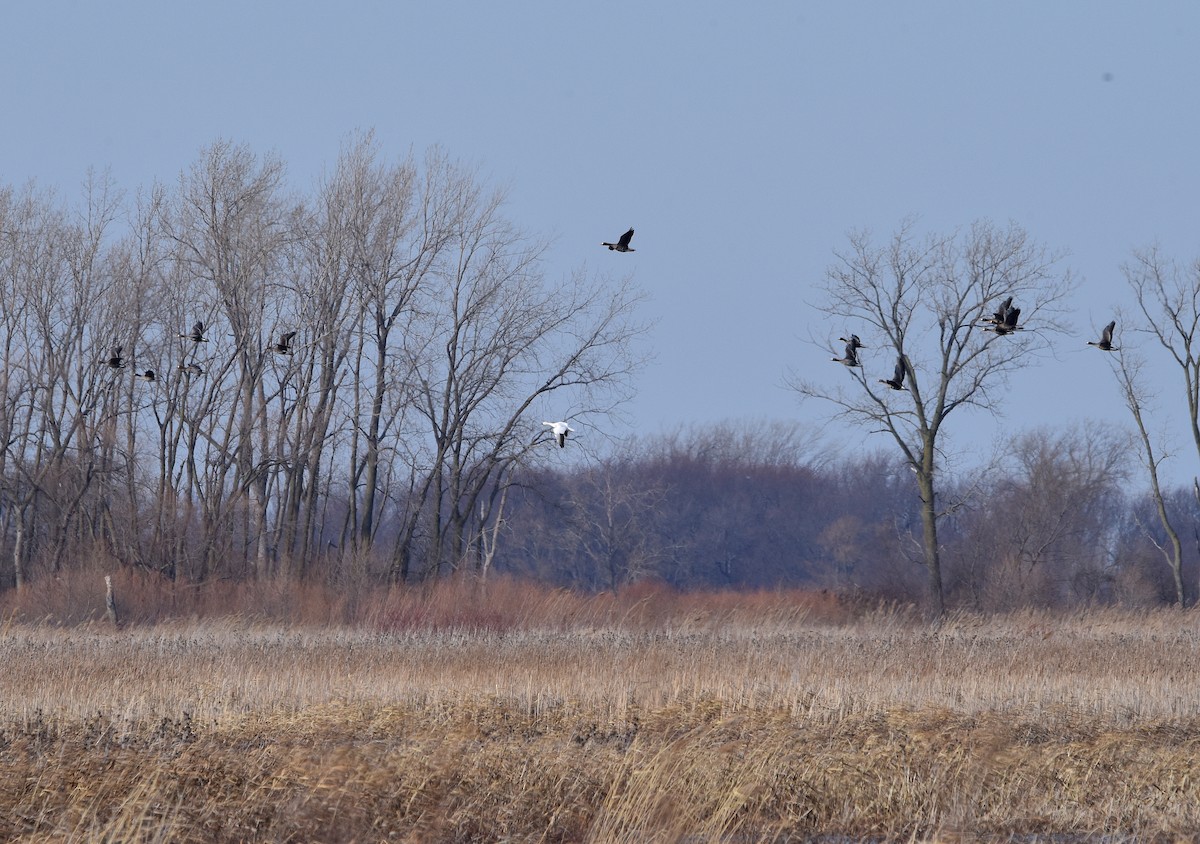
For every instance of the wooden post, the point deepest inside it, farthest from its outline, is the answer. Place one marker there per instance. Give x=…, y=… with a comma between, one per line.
x=110, y=602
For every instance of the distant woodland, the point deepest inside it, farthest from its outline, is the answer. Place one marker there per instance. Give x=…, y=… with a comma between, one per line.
x=746, y=506
x=219, y=379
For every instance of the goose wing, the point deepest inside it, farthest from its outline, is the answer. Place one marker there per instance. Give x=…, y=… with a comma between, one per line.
x=997, y=317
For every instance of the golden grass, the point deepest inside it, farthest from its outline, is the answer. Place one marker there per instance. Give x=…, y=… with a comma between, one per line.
x=77, y=596
x=706, y=725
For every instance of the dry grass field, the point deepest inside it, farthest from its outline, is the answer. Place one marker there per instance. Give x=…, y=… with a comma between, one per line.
x=654, y=717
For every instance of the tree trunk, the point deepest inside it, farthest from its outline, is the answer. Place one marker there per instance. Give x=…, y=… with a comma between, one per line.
x=929, y=542
x=1175, y=557
x=19, y=549
x=110, y=602
x=371, y=479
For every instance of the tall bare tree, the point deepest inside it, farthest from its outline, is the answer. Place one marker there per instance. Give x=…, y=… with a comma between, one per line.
x=20, y=220
x=923, y=302
x=497, y=340
x=1168, y=298
x=68, y=438
x=1128, y=368
x=230, y=223
x=1169, y=303
x=1168, y=311
x=397, y=220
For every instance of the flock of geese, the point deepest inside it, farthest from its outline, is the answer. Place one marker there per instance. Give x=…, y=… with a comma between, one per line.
x=1002, y=321
x=283, y=346
x=117, y=360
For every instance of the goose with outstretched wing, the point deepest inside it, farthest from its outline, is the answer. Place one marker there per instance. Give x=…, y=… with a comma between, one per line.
x=622, y=244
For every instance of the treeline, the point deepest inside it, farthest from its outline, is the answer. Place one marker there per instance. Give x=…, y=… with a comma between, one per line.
x=429, y=343
x=397, y=435
x=752, y=506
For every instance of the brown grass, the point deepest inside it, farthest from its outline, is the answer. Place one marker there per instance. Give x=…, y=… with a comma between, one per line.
x=714, y=718
x=77, y=596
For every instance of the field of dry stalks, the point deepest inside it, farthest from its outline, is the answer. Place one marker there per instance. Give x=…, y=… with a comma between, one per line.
x=714, y=718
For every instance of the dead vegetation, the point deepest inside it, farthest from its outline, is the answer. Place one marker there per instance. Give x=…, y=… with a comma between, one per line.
x=650, y=718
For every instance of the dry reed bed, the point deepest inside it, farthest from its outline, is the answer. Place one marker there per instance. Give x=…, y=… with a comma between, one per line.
x=985, y=728
x=1134, y=670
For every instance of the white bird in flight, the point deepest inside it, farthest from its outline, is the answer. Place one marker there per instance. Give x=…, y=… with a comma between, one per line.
x=560, y=429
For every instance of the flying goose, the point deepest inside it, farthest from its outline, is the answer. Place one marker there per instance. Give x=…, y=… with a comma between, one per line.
x=560, y=430
x=997, y=318
x=196, y=335
x=116, y=361
x=896, y=382
x=190, y=369
x=1009, y=325
x=284, y=346
x=622, y=244
x=147, y=376
x=1105, y=344
x=851, y=358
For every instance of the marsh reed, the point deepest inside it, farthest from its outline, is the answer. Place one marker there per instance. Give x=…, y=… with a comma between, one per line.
x=664, y=719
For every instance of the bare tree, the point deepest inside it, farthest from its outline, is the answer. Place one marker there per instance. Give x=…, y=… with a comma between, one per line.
x=1128, y=368
x=924, y=302
x=21, y=217
x=1168, y=298
x=151, y=407
x=398, y=220
x=230, y=224
x=1168, y=302
x=610, y=522
x=1042, y=525
x=496, y=340
x=67, y=437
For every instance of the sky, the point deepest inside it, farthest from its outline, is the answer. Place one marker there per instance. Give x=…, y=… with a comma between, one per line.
x=742, y=141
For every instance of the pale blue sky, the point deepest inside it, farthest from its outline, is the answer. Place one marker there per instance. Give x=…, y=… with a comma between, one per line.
x=742, y=141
